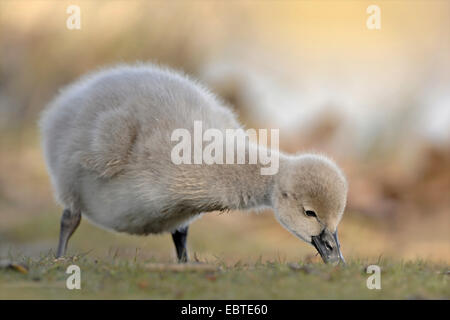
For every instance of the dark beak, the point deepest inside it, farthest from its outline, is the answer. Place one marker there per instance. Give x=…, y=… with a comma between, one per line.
x=328, y=246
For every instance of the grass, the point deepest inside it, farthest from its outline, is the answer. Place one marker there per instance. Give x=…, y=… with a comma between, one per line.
x=252, y=259
x=117, y=278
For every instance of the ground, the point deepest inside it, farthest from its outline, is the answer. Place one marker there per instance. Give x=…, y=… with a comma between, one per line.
x=131, y=279
x=247, y=257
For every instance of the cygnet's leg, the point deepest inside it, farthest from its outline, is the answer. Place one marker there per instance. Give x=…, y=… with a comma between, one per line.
x=70, y=220
x=179, y=239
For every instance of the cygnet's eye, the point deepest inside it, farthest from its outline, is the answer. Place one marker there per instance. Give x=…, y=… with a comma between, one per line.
x=310, y=213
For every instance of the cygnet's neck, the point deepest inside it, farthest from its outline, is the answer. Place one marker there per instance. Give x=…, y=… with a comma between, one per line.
x=243, y=187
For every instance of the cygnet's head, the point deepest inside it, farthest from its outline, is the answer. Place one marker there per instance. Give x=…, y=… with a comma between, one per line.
x=309, y=200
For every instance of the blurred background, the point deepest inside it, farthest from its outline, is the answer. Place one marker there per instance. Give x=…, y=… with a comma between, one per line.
x=377, y=101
